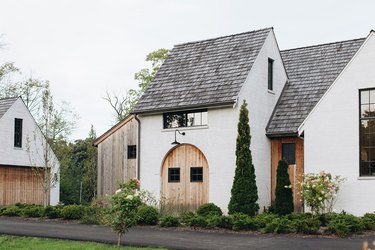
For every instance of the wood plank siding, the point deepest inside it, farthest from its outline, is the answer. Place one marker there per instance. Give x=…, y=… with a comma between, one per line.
x=20, y=185
x=295, y=171
x=114, y=167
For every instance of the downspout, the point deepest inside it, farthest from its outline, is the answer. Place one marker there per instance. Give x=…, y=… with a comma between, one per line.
x=139, y=148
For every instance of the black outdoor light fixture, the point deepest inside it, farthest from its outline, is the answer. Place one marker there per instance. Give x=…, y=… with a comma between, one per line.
x=175, y=139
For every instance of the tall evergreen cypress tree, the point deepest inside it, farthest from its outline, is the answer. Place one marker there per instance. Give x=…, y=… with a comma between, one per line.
x=244, y=190
x=284, y=194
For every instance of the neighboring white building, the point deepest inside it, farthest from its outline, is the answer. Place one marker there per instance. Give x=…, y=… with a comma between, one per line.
x=303, y=106
x=22, y=147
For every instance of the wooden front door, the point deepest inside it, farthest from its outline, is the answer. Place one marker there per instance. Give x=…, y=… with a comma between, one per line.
x=184, y=178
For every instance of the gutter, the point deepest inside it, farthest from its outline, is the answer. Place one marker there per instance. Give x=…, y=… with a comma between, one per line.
x=139, y=148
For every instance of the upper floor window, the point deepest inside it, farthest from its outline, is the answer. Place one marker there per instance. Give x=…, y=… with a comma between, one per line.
x=132, y=151
x=185, y=119
x=367, y=132
x=18, y=133
x=173, y=174
x=196, y=174
x=289, y=153
x=270, y=74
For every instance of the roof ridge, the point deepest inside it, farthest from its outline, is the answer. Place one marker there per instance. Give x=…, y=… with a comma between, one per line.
x=221, y=37
x=324, y=44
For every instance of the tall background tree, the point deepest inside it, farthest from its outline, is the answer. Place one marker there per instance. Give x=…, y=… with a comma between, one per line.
x=122, y=105
x=244, y=193
x=283, y=192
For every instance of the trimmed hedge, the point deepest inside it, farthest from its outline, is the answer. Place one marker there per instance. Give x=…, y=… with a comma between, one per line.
x=147, y=215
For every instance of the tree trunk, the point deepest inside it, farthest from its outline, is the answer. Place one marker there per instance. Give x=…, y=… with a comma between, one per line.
x=118, y=242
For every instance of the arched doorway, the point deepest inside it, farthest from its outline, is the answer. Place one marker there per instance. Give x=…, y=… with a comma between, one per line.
x=184, y=178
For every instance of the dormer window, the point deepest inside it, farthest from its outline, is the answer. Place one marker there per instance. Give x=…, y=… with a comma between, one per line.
x=185, y=119
x=270, y=74
x=18, y=133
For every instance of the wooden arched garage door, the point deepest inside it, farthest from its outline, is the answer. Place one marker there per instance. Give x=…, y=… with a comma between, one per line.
x=184, y=178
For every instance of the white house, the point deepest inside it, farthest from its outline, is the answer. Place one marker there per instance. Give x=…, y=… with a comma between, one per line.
x=304, y=106
x=22, y=150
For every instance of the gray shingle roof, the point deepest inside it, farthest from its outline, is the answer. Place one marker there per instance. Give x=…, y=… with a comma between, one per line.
x=311, y=70
x=203, y=73
x=5, y=104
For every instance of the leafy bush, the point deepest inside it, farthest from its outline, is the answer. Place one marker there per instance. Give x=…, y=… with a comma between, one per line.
x=52, y=212
x=319, y=191
x=72, y=212
x=147, y=215
x=186, y=218
x=243, y=222
x=225, y=222
x=368, y=221
x=279, y=225
x=209, y=209
x=169, y=221
x=92, y=216
x=213, y=221
x=304, y=223
x=32, y=211
x=12, y=211
x=345, y=224
x=263, y=219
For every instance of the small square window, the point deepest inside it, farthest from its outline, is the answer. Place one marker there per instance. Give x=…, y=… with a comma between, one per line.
x=173, y=174
x=289, y=153
x=196, y=174
x=132, y=151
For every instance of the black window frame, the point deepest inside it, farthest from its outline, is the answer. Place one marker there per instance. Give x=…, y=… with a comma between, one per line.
x=270, y=74
x=173, y=176
x=184, y=118
x=370, y=146
x=132, y=151
x=288, y=153
x=18, y=132
x=194, y=176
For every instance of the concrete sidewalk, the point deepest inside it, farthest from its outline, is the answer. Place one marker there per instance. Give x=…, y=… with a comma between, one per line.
x=174, y=238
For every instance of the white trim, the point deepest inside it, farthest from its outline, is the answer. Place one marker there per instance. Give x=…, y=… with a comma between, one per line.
x=366, y=178
x=300, y=128
x=184, y=128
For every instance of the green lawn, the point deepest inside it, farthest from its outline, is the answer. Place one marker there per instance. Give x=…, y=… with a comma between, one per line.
x=30, y=243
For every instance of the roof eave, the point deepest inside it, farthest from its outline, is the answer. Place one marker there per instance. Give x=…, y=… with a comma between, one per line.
x=185, y=107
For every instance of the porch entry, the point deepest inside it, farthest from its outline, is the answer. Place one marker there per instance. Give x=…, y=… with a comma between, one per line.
x=184, y=178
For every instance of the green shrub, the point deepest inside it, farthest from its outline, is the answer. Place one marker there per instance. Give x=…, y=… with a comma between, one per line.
x=213, y=221
x=52, y=212
x=12, y=211
x=32, y=211
x=186, y=218
x=304, y=223
x=283, y=192
x=169, y=221
x=345, y=224
x=225, y=222
x=72, y=212
x=243, y=222
x=147, y=215
x=263, y=219
x=92, y=216
x=279, y=225
x=368, y=221
x=209, y=209
x=198, y=221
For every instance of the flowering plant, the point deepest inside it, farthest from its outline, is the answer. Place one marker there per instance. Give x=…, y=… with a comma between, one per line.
x=124, y=206
x=319, y=191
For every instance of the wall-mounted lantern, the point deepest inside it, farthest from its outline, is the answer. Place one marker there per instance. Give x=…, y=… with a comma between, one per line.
x=175, y=137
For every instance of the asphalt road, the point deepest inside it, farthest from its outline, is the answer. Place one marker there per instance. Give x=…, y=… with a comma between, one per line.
x=175, y=238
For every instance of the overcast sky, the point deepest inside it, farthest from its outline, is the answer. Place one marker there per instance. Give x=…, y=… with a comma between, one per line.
x=86, y=47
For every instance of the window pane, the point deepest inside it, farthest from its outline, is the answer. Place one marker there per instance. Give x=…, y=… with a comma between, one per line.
x=372, y=96
x=365, y=110
x=365, y=140
x=198, y=119
x=364, y=154
x=190, y=121
x=196, y=174
x=132, y=151
x=173, y=174
x=204, y=118
x=365, y=95
x=289, y=152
